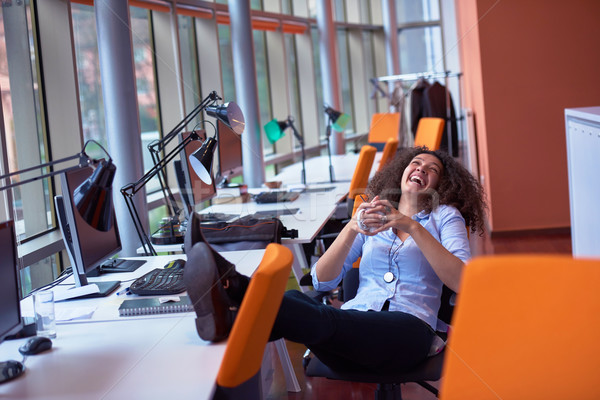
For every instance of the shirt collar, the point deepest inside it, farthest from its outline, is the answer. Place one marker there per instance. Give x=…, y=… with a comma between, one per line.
x=421, y=215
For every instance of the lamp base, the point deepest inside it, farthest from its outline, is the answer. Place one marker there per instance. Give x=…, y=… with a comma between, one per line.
x=170, y=232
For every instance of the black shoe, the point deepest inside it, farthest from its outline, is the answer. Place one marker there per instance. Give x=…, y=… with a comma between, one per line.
x=234, y=283
x=215, y=310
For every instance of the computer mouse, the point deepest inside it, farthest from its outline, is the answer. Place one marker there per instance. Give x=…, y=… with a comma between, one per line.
x=175, y=264
x=35, y=345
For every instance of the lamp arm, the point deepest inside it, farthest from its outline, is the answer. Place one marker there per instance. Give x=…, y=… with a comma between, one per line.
x=162, y=179
x=137, y=223
x=158, y=145
x=84, y=160
x=129, y=190
x=132, y=188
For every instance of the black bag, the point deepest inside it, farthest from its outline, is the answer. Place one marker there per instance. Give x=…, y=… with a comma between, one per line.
x=245, y=233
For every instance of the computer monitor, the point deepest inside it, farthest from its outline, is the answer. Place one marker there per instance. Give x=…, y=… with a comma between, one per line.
x=10, y=310
x=230, y=153
x=191, y=187
x=89, y=249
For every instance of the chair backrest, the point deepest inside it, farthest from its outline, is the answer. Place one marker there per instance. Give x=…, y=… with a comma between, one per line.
x=358, y=200
x=524, y=327
x=383, y=126
x=255, y=318
x=360, y=178
x=429, y=132
x=389, y=151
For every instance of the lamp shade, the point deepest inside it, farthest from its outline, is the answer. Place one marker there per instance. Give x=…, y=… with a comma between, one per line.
x=201, y=160
x=275, y=129
x=93, y=198
x=338, y=119
x=231, y=114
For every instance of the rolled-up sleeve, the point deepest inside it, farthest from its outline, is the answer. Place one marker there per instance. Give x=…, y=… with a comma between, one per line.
x=453, y=234
x=353, y=255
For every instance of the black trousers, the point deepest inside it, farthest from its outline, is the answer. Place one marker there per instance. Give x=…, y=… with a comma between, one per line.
x=350, y=340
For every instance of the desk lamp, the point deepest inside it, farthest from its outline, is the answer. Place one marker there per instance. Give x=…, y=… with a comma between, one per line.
x=92, y=198
x=275, y=130
x=338, y=120
x=226, y=113
x=201, y=160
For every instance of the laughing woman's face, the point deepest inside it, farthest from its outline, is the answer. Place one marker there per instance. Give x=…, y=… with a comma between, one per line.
x=423, y=173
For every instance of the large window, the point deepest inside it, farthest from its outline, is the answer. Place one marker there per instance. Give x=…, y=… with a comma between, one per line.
x=24, y=136
x=421, y=49
x=288, y=79
x=419, y=36
x=189, y=64
x=262, y=83
x=21, y=107
x=292, y=83
x=90, y=86
x=345, y=77
x=318, y=82
x=226, y=62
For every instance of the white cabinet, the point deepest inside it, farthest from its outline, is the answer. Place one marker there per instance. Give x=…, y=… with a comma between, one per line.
x=583, y=156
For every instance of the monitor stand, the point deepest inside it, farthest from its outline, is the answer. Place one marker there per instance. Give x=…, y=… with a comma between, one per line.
x=88, y=290
x=118, y=265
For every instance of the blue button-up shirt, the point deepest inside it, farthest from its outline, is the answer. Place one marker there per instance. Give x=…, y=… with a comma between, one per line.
x=416, y=288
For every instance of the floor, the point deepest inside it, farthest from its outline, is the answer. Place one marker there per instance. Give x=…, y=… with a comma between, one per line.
x=321, y=388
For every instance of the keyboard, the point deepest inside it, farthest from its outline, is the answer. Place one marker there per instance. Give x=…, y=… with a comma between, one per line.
x=275, y=213
x=276, y=196
x=216, y=217
x=159, y=281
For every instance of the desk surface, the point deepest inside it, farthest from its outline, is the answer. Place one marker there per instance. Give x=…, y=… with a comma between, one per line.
x=314, y=209
x=140, y=358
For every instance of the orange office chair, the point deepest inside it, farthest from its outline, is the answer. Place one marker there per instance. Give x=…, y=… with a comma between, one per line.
x=389, y=151
x=388, y=385
x=525, y=327
x=360, y=178
x=239, y=374
x=429, y=132
x=383, y=126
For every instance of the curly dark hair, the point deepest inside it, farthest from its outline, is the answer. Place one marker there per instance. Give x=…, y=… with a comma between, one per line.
x=457, y=186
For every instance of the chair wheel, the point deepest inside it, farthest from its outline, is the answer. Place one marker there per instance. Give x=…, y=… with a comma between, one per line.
x=306, y=359
x=305, y=362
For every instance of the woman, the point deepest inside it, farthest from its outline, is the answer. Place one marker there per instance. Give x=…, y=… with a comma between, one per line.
x=411, y=238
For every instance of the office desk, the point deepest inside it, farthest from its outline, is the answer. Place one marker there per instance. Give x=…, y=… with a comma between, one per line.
x=147, y=357
x=315, y=208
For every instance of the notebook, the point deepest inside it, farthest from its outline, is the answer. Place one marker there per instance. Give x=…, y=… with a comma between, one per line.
x=152, y=305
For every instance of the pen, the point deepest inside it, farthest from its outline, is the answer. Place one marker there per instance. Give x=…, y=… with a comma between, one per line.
x=123, y=292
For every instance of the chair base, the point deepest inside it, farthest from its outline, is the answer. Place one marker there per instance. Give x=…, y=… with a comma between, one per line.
x=388, y=391
x=388, y=385
x=250, y=390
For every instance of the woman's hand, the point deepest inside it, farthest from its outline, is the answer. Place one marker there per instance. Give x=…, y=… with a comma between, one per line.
x=388, y=217
x=365, y=221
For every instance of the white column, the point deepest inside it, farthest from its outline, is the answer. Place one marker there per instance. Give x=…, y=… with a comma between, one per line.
x=329, y=68
x=121, y=112
x=390, y=27
x=244, y=70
